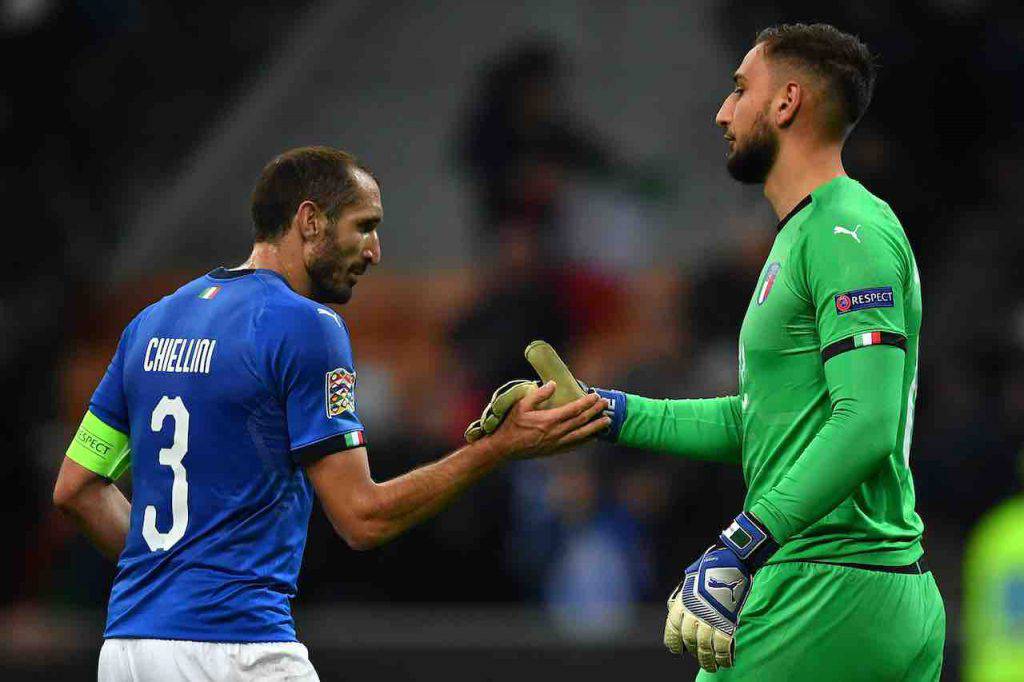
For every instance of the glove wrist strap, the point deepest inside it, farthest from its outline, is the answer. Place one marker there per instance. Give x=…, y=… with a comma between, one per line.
x=616, y=411
x=750, y=540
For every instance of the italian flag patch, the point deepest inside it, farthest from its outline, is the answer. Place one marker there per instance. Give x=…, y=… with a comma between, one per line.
x=867, y=339
x=354, y=439
x=209, y=292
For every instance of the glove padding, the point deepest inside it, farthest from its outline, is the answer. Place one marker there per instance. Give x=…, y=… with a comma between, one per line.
x=704, y=611
x=549, y=367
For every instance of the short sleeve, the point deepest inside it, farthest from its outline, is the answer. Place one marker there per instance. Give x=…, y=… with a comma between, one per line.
x=108, y=401
x=855, y=274
x=308, y=357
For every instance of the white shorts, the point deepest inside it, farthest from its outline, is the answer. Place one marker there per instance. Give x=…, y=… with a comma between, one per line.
x=166, y=660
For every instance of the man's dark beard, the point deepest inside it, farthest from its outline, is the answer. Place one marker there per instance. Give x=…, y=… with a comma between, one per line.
x=322, y=273
x=751, y=163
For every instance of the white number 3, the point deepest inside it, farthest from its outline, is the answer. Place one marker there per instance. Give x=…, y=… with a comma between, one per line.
x=171, y=457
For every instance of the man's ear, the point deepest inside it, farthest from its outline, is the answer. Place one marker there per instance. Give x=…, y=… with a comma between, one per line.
x=308, y=220
x=788, y=103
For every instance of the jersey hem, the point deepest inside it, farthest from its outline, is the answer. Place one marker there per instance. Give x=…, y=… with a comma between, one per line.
x=902, y=557
x=204, y=641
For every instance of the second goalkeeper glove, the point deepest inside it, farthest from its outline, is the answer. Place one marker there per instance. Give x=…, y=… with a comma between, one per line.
x=704, y=611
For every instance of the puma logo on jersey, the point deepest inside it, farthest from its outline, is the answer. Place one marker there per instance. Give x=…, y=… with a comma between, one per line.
x=839, y=229
x=331, y=314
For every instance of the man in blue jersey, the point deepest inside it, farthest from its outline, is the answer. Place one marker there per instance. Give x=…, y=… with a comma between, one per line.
x=233, y=401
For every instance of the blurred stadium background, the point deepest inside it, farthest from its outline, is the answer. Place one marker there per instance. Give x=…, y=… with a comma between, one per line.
x=550, y=170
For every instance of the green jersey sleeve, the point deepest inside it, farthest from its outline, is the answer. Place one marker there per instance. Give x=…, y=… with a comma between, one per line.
x=709, y=429
x=855, y=276
x=100, y=448
x=865, y=390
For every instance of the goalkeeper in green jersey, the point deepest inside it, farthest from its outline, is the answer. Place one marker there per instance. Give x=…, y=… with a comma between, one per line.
x=821, y=576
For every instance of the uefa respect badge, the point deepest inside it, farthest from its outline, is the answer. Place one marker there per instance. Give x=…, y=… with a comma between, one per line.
x=879, y=297
x=340, y=392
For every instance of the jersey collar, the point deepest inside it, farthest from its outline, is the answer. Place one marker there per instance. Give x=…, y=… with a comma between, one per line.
x=804, y=203
x=223, y=273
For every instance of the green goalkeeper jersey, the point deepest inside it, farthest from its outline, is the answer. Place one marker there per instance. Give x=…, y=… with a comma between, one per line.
x=840, y=276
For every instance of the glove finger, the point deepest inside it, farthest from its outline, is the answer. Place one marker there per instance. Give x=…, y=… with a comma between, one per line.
x=549, y=367
x=722, y=645
x=504, y=402
x=705, y=649
x=494, y=413
x=673, y=625
x=475, y=431
x=688, y=631
x=505, y=387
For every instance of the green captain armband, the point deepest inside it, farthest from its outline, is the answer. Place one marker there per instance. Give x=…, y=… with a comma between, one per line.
x=100, y=448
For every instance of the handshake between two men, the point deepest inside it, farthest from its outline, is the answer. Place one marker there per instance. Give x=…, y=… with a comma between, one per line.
x=704, y=609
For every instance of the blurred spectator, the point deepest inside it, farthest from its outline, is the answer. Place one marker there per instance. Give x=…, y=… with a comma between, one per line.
x=993, y=606
x=599, y=569
x=519, y=142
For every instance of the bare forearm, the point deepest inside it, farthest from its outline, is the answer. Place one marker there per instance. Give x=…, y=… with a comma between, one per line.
x=405, y=501
x=102, y=513
x=368, y=514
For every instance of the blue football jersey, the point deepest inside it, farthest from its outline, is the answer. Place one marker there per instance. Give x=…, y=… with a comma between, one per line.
x=225, y=388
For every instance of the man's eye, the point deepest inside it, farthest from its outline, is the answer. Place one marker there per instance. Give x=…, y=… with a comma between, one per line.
x=738, y=91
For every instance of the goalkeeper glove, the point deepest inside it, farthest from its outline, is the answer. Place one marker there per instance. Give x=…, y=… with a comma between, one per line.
x=502, y=400
x=704, y=610
x=549, y=367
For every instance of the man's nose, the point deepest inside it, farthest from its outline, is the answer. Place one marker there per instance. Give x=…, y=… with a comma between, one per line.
x=722, y=118
x=372, y=250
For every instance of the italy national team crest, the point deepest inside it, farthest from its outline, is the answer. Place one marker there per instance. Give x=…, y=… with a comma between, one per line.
x=340, y=392
x=771, y=273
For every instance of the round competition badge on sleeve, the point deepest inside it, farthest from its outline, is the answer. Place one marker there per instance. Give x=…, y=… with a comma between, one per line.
x=770, y=275
x=843, y=303
x=340, y=392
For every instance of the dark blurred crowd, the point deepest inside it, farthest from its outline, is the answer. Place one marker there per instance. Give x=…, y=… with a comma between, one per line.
x=596, y=531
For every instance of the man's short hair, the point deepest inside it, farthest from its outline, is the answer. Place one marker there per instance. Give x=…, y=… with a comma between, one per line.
x=844, y=63
x=319, y=174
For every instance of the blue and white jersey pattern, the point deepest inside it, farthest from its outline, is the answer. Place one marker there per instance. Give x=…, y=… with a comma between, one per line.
x=226, y=388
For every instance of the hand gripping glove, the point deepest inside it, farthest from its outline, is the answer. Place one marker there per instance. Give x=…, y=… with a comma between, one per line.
x=501, y=402
x=549, y=367
x=704, y=610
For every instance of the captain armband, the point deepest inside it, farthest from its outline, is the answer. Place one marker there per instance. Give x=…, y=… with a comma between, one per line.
x=100, y=448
